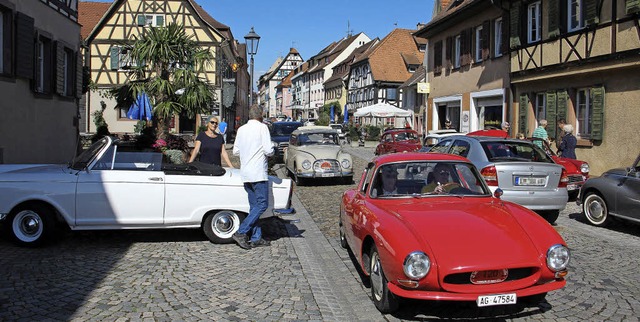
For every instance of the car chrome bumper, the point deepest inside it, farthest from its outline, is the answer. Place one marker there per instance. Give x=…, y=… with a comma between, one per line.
x=542, y=200
x=325, y=174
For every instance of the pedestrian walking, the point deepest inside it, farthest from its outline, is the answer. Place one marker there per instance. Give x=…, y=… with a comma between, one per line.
x=568, y=146
x=541, y=133
x=253, y=145
x=210, y=146
x=222, y=128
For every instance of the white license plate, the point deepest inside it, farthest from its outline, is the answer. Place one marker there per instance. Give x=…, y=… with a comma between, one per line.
x=572, y=187
x=530, y=181
x=328, y=175
x=497, y=299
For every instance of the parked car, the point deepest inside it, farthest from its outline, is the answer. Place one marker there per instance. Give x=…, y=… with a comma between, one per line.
x=577, y=170
x=461, y=245
x=280, y=135
x=615, y=194
x=434, y=136
x=314, y=152
x=524, y=172
x=110, y=187
x=342, y=133
x=398, y=140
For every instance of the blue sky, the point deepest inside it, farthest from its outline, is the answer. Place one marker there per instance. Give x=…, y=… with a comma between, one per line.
x=310, y=26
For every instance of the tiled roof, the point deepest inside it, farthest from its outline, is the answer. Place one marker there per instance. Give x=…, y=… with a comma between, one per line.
x=386, y=59
x=354, y=55
x=453, y=7
x=89, y=14
x=418, y=76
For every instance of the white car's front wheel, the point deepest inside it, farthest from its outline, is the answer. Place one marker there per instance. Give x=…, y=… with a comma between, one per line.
x=221, y=225
x=31, y=225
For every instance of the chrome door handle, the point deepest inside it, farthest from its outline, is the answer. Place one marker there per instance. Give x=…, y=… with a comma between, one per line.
x=155, y=179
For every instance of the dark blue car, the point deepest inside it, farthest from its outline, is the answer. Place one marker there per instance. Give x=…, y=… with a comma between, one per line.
x=280, y=134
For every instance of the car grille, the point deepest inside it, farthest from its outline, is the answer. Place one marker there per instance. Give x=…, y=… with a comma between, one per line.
x=282, y=146
x=326, y=166
x=514, y=275
x=574, y=178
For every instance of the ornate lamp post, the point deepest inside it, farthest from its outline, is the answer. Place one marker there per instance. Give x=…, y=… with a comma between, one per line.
x=252, y=40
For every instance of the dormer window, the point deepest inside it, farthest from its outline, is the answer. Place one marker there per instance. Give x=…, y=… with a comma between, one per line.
x=412, y=68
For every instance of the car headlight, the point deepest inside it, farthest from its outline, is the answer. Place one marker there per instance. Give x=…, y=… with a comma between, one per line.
x=306, y=164
x=558, y=258
x=584, y=168
x=346, y=164
x=416, y=265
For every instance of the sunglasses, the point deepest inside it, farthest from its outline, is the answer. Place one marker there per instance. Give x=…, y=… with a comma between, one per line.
x=213, y=122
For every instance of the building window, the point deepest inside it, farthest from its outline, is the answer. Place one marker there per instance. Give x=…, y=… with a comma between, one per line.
x=497, y=38
x=42, y=80
x=150, y=20
x=541, y=106
x=69, y=72
x=583, y=112
x=478, y=44
x=575, y=14
x=533, y=22
x=456, y=52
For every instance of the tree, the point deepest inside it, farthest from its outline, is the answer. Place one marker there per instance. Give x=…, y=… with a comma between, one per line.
x=166, y=66
x=324, y=113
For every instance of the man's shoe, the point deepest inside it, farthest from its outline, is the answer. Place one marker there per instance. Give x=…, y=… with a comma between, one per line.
x=241, y=240
x=260, y=243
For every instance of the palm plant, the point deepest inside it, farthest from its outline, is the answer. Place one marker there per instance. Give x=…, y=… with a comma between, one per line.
x=167, y=64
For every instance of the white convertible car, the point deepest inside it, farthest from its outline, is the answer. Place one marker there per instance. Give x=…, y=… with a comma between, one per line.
x=107, y=187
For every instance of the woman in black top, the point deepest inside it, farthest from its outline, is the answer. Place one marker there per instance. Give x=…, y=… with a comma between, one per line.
x=210, y=145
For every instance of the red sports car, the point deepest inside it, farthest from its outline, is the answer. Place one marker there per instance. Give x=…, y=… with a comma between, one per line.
x=577, y=170
x=425, y=226
x=398, y=140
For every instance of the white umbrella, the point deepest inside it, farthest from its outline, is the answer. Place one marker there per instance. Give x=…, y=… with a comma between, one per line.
x=382, y=110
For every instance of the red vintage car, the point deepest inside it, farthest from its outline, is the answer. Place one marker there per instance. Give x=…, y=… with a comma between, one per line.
x=398, y=140
x=426, y=226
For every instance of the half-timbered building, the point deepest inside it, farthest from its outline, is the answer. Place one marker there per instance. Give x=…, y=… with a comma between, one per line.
x=579, y=60
x=40, y=80
x=124, y=21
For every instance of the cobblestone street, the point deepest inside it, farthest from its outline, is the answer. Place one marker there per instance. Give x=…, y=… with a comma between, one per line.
x=172, y=275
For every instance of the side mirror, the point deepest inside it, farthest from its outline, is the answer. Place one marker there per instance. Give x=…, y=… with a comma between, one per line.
x=498, y=193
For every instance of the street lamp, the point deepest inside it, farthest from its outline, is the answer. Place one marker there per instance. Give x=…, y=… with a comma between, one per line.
x=252, y=40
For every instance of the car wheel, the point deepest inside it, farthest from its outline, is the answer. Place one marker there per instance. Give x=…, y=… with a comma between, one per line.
x=384, y=300
x=220, y=226
x=343, y=239
x=596, y=210
x=550, y=215
x=32, y=225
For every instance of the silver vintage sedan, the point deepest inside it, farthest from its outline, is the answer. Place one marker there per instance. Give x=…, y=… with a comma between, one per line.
x=524, y=172
x=315, y=152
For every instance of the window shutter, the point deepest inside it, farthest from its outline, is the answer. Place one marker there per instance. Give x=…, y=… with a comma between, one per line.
x=505, y=35
x=551, y=113
x=523, y=115
x=448, y=52
x=115, y=57
x=514, y=20
x=142, y=20
x=593, y=11
x=486, y=39
x=159, y=21
x=59, y=71
x=554, y=18
x=561, y=107
x=597, y=117
x=8, y=54
x=79, y=75
x=25, y=45
x=437, y=57
x=633, y=6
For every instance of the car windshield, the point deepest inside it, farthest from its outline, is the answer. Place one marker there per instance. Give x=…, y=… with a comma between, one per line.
x=427, y=178
x=283, y=129
x=514, y=151
x=405, y=136
x=83, y=159
x=318, y=138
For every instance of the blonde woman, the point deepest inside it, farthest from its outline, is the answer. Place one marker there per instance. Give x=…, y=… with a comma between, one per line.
x=210, y=145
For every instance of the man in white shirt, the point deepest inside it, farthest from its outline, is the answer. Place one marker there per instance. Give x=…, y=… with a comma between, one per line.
x=253, y=145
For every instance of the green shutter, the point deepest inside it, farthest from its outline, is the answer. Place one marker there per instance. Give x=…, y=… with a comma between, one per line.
x=633, y=6
x=159, y=21
x=523, y=114
x=554, y=18
x=514, y=20
x=142, y=20
x=115, y=58
x=597, y=116
x=551, y=113
x=561, y=109
x=593, y=12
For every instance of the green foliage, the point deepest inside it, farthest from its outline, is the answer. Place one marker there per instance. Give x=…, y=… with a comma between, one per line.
x=354, y=134
x=324, y=113
x=373, y=133
x=140, y=125
x=98, y=119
